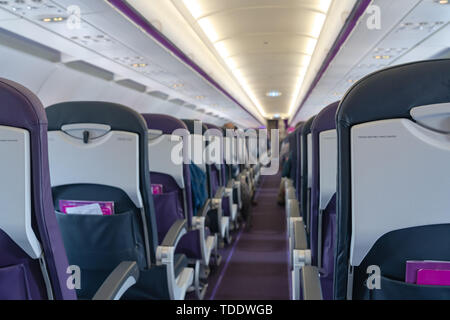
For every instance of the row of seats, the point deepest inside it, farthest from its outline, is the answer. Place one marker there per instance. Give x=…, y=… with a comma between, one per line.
x=161, y=221
x=368, y=188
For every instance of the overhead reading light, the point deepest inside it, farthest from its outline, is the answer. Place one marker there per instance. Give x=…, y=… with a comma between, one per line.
x=273, y=94
x=382, y=57
x=53, y=19
x=139, y=65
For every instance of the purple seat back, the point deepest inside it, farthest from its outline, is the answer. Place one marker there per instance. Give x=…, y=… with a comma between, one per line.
x=169, y=211
x=325, y=120
x=20, y=275
x=218, y=177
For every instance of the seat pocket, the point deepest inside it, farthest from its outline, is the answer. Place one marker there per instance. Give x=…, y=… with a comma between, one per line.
x=398, y=290
x=14, y=283
x=168, y=209
x=101, y=242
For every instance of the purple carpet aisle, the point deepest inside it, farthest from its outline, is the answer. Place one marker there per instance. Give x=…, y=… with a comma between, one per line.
x=255, y=265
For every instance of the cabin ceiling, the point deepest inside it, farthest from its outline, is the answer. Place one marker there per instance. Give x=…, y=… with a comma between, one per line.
x=266, y=46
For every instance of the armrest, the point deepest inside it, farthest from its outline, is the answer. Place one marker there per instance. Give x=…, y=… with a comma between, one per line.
x=205, y=209
x=311, y=288
x=294, y=208
x=288, y=183
x=290, y=194
x=301, y=256
x=301, y=242
x=175, y=233
x=229, y=188
x=219, y=194
x=124, y=276
x=216, y=202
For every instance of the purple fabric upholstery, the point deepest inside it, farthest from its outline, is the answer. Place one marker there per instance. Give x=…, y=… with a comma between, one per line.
x=328, y=236
x=190, y=244
x=167, y=125
x=167, y=213
x=298, y=163
x=215, y=174
x=325, y=120
x=20, y=108
x=327, y=288
x=168, y=205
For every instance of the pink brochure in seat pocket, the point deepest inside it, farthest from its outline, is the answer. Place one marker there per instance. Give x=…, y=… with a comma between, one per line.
x=412, y=268
x=433, y=277
x=157, y=189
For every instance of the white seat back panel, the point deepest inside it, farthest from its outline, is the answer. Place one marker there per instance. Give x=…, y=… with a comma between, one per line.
x=111, y=160
x=166, y=156
x=400, y=179
x=15, y=190
x=327, y=166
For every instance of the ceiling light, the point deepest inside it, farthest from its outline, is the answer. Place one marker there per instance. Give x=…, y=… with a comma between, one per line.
x=53, y=19
x=274, y=94
x=222, y=49
x=384, y=57
x=197, y=12
x=319, y=23
x=208, y=28
x=324, y=5
x=194, y=8
x=139, y=65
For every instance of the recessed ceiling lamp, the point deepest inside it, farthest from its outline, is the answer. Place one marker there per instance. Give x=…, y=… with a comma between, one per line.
x=382, y=57
x=273, y=94
x=197, y=11
x=139, y=65
x=317, y=30
x=208, y=28
x=53, y=19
